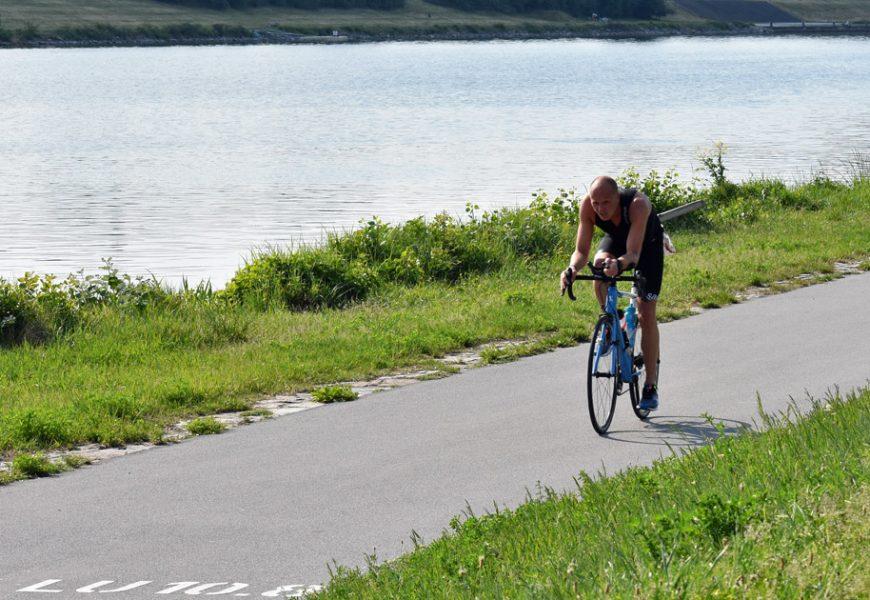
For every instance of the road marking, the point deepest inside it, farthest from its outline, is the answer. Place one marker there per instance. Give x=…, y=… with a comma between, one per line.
x=188, y=588
x=203, y=587
x=37, y=587
x=233, y=588
x=178, y=586
x=291, y=591
x=90, y=588
x=126, y=588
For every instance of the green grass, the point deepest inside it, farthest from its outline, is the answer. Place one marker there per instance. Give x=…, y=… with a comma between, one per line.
x=334, y=393
x=205, y=426
x=24, y=20
x=122, y=373
x=827, y=10
x=779, y=514
x=130, y=21
x=29, y=466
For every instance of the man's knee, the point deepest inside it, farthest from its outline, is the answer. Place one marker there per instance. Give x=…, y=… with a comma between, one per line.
x=646, y=312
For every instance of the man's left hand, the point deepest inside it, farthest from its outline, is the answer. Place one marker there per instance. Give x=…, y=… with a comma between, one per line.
x=611, y=267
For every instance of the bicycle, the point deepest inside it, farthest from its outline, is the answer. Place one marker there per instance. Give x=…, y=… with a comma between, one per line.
x=613, y=367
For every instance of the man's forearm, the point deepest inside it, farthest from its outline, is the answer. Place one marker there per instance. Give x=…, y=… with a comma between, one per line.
x=578, y=260
x=627, y=261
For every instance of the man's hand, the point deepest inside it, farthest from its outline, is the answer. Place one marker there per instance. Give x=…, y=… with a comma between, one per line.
x=567, y=278
x=611, y=267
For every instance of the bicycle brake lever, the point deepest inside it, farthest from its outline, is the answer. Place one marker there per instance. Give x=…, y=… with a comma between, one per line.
x=570, y=287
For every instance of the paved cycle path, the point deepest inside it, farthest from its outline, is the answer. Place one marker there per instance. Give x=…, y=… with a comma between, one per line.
x=269, y=505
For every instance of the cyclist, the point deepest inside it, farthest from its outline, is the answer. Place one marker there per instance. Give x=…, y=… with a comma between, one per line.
x=633, y=239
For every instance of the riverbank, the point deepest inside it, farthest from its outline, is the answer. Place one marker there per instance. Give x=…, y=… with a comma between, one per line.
x=188, y=34
x=94, y=23
x=114, y=361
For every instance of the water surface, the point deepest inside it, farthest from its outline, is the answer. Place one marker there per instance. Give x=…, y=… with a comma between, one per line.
x=178, y=161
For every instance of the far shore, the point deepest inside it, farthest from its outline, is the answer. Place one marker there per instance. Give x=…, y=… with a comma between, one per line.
x=613, y=31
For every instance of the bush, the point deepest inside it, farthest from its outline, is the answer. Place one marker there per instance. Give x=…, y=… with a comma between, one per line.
x=351, y=266
x=305, y=279
x=39, y=308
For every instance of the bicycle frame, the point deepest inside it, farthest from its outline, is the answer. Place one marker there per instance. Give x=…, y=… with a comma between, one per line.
x=627, y=370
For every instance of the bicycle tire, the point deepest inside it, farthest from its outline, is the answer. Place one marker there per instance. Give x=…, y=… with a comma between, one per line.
x=602, y=388
x=634, y=389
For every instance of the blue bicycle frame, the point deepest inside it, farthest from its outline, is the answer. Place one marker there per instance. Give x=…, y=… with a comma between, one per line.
x=626, y=366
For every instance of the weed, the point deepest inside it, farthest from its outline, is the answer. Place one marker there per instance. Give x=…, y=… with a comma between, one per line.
x=334, y=393
x=205, y=426
x=34, y=465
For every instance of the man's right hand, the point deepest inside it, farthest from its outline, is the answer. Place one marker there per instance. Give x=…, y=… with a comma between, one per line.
x=568, y=278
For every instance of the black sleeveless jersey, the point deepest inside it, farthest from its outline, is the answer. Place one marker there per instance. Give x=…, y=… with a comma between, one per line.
x=619, y=233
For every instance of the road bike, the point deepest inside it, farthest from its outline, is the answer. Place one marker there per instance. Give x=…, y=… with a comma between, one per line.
x=613, y=368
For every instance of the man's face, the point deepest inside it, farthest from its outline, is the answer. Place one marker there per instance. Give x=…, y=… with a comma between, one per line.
x=604, y=203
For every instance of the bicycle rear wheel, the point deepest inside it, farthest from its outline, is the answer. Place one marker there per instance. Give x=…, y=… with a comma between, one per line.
x=602, y=382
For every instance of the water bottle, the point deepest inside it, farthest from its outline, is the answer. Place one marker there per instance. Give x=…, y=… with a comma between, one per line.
x=631, y=323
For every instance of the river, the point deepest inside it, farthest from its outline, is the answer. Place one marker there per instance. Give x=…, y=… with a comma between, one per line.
x=179, y=161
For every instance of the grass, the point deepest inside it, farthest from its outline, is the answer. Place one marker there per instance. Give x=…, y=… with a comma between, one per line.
x=27, y=20
x=29, y=466
x=827, y=10
x=334, y=393
x=205, y=426
x=779, y=514
x=122, y=373
x=23, y=21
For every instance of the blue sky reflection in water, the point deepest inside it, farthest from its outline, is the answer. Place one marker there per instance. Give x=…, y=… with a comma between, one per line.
x=180, y=160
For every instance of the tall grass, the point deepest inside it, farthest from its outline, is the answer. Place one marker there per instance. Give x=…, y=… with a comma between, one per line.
x=779, y=514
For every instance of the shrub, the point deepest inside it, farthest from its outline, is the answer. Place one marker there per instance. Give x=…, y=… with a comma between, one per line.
x=665, y=190
x=305, y=279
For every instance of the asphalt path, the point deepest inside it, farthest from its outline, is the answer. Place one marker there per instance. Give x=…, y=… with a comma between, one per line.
x=271, y=505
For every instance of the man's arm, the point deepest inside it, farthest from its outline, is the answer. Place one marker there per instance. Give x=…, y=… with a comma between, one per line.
x=584, y=234
x=638, y=211
x=584, y=238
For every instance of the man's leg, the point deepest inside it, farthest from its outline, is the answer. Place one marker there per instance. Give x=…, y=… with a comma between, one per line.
x=600, y=288
x=649, y=340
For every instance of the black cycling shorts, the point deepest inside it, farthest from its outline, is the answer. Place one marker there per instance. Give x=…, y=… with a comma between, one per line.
x=651, y=264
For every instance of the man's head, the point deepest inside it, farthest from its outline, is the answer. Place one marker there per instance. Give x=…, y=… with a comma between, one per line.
x=604, y=194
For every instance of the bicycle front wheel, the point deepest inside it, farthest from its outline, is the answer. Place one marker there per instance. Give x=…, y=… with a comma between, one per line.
x=602, y=375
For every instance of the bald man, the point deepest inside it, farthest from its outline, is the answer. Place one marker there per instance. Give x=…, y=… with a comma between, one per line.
x=633, y=239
